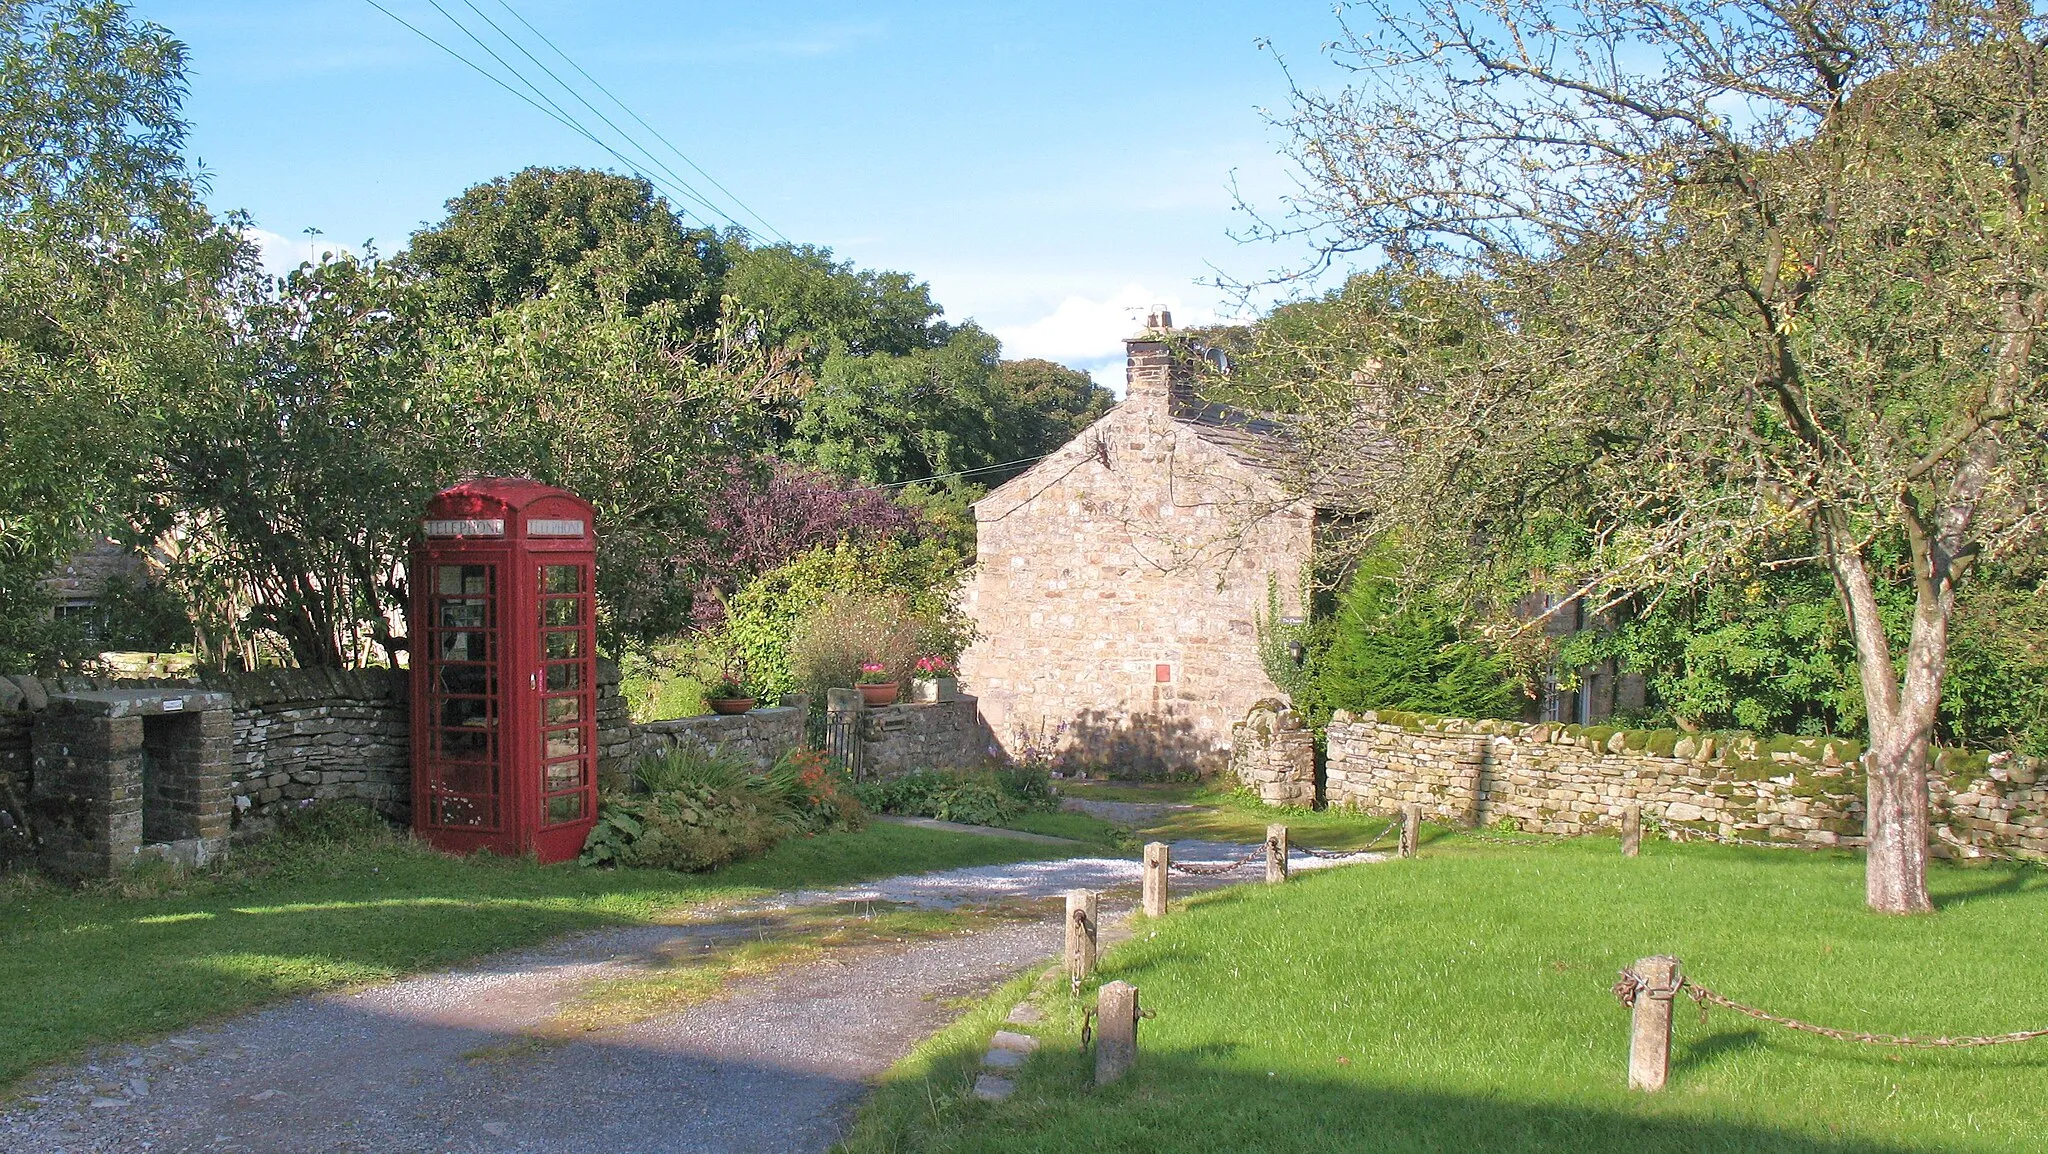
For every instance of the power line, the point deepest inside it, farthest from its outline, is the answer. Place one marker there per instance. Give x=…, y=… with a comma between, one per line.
x=554, y=113
x=563, y=113
x=608, y=123
x=734, y=197
x=955, y=473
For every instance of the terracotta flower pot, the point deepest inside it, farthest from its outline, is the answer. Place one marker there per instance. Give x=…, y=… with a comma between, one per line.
x=730, y=705
x=878, y=695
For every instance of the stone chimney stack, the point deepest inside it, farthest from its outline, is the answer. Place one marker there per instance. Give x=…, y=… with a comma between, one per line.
x=1148, y=365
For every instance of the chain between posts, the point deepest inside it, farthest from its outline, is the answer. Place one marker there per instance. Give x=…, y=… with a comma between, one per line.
x=1631, y=986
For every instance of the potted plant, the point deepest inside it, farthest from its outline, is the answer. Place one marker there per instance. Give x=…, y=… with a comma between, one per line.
x=936, y=679
x=876, y=686
x=729, y=694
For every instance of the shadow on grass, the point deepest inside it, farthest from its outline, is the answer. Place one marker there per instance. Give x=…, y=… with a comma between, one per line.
x=1183, y=1103
x=2010, y=880
x=1704, y=1052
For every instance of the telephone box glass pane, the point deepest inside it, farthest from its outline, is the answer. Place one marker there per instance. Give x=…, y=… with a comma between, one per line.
x=561, y=578
x=465, y=744
x=475, y=679
x=463, y=614
x=564, y=709
x=564, y=645
x=463, y=811
x=465, y=647
x=562, y=677
x=567, y=807
x=564, y=775
x=561, y=611
x=564, y=742
x=464, y=777
x=472, y=712
x=457, y=580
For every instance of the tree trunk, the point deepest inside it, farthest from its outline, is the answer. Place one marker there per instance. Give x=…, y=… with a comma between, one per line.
x=1895, y=818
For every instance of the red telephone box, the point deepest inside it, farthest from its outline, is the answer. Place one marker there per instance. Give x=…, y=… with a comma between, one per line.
x=504, y=731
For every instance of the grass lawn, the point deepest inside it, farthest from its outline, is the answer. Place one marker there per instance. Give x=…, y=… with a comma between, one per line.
x=1096, y=832
x=1237, y=818
x=1153, y=791
x=151, y=954
x=1460, y=1002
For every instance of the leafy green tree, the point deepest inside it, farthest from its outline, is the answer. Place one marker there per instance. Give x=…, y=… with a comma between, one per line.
x=1051, y=404
x=887, y=418
x=611, y=406
x=287, y=483
x=113, y=284
x=809, y=303
x=602, y=240
x=1390, y=652
x=1753, y=269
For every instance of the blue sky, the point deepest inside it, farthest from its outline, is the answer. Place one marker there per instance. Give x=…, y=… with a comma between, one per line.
x=1051, y=168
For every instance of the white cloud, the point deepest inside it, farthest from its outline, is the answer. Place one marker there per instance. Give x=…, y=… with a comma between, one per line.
x=282, y=254
x=1088, y=334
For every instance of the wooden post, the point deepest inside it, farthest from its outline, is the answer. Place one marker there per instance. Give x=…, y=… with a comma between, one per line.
x=1116, y=1031
x=1080, y=952
x=1631, y=829
x=1157, y=857
x=1649, y=1044
x=1276, y=854
x=1411, y=828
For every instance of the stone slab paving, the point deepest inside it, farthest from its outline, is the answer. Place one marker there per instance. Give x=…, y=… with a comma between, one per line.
x=442, y=1063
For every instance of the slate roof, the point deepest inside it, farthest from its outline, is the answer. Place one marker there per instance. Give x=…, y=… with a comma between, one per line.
x=1270, y=444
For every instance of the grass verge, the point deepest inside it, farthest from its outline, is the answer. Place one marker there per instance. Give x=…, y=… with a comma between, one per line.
x=1236, y=817
x=1460, y=1002
x=154, y=951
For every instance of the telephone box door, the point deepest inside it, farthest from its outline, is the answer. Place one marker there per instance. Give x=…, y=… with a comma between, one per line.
x=461, y=767
x=564, y=691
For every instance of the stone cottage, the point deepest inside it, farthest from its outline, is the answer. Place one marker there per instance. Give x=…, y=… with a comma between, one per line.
x=1121, y=580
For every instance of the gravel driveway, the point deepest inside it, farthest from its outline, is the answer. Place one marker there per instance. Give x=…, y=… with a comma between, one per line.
x=436, y=1063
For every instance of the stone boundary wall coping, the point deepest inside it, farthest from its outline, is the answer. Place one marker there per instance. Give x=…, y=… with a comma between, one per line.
x=1567, y=779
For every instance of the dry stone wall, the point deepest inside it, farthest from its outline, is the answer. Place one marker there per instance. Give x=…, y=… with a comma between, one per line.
x=1274, y=755
x=924, y=735
x=760, y=737
x=1567, y=780
x=304, y=735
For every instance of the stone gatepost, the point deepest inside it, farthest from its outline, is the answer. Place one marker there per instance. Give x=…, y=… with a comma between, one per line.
x=1274, y=755
x=119, y=775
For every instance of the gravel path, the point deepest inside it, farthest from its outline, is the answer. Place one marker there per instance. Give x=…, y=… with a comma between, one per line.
x=439, y=1062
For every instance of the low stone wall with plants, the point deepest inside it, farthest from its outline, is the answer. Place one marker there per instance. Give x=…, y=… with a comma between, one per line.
x=1565, y=779
x=925, y=735
x=760, y=737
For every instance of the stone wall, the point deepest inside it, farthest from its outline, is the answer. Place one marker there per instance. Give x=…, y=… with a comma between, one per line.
x=1274, y=755
x=760, y=736
x=320, y=735
x=1564, y=779
x=924, y=735
x=1119, y=583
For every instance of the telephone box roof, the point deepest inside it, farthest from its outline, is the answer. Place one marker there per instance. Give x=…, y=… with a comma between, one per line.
x=510, y=492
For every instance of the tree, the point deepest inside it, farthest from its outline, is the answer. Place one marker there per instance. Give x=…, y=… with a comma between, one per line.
x=608, y=405
x=287, y=483
x=113, y=284
x=889, y=419
x=763, y=514
x=1053, y=404
x=1748, y=271
x=604, y=240
x=1387, y=652
x=810, y=304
